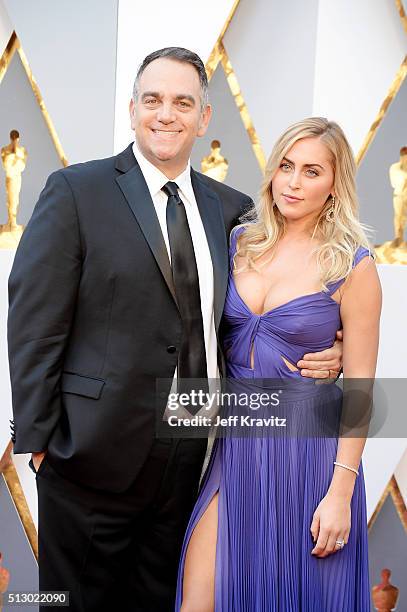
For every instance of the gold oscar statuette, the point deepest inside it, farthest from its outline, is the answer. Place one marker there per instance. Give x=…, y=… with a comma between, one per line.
x=14, y=159
x=215, y=165
x=395, y=251
x=385, y=595
x=4, y=580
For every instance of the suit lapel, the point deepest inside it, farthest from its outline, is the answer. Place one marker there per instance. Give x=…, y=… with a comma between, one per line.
x=210, y=209
x=135, y=190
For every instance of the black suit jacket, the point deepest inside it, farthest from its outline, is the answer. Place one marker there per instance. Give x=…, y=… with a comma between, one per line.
x=93, y=315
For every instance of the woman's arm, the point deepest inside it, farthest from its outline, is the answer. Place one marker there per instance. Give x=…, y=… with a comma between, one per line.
x=360, y=314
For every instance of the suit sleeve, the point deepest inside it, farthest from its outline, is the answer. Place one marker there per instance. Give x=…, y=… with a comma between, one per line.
x=43, y=286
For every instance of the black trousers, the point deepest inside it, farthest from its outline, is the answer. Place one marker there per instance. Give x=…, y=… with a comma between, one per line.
x=116, y=551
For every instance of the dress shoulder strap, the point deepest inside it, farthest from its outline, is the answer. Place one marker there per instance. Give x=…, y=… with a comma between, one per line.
x=360, y=254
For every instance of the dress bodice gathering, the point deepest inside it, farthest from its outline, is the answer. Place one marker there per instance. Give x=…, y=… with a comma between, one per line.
x=305, y=324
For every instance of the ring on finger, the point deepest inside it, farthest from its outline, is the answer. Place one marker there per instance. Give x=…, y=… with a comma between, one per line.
x=340, y=543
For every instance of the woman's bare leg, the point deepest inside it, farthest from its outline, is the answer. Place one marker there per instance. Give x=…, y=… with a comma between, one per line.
x=198, y=593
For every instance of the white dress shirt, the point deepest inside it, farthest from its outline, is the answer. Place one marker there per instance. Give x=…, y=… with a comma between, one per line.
x=155, y=180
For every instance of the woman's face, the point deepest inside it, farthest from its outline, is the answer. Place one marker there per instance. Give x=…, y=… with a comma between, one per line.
x=304, y=180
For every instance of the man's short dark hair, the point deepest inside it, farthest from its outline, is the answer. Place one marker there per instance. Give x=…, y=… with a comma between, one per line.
x=178, y=54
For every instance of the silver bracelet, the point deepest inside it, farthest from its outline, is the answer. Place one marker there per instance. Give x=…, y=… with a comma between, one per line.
x=347, y=467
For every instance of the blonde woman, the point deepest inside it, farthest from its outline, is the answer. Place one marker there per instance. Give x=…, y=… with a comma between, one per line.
x=280, y=524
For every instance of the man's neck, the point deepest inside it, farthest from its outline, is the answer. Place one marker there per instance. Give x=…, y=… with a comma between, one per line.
x=172, y=173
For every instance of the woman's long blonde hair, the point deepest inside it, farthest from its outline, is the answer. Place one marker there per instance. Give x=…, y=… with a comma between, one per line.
x=338, y=240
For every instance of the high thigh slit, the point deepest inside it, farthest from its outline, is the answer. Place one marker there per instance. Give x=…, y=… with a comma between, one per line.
x=209, y=488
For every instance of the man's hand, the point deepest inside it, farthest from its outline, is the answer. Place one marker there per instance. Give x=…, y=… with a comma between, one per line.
x=325, y=364
x=38, y=459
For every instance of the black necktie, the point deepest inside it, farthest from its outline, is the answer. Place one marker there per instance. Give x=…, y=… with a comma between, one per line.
x=192, y=355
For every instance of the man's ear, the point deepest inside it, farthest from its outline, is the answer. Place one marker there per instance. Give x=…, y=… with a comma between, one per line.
x=132, y=111
x=204, y=120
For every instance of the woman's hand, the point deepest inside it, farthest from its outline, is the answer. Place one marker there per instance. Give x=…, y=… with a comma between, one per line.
x=331, y=522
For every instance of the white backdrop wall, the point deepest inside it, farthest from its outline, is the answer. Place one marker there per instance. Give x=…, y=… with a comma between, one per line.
x=6, y=261
x=382, y=455
x=360, y=46
x=144, y=27
x=401, y=476
x=6, y=28
x=271, y=46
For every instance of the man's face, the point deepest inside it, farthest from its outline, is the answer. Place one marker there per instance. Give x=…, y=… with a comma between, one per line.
x=167, y=115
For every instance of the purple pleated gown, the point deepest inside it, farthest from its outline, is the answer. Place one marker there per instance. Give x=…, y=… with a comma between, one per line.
x=269, y=487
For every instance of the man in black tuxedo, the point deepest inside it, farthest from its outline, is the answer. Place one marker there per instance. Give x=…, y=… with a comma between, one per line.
x=120, y=280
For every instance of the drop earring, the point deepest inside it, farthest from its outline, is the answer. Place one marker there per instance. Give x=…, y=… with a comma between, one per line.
x=330, y=215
